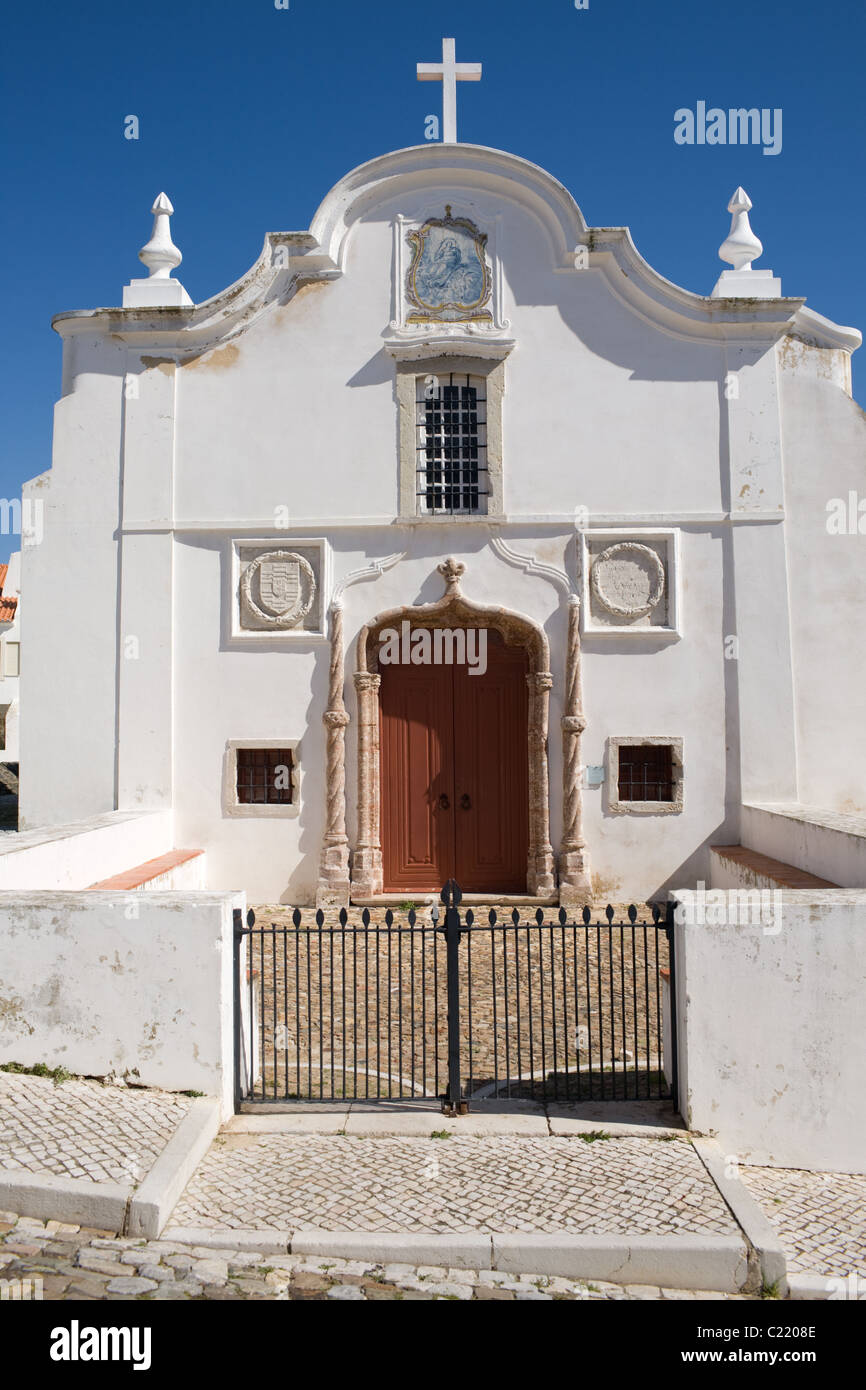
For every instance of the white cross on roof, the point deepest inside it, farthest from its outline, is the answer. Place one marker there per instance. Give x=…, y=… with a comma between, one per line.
x=449, y=72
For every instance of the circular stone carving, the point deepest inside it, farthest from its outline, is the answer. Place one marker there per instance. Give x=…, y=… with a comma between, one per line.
x=628, y=579
x=284, y=587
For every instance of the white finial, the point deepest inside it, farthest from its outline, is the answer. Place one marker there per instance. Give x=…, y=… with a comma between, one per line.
x=449, y=72
x=160, y=254
x=740, y=247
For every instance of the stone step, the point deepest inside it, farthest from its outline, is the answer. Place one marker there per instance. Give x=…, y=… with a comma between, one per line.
x=143, y=874
x=767, y=872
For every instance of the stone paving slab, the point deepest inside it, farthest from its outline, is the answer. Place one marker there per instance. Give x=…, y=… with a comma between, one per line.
x=498, y=1184
x=65, y=1263
x=83, y=1129
x=820, y=1218
x=419, y=1117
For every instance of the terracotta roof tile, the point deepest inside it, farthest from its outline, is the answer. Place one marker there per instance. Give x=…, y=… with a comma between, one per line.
x=7, y=609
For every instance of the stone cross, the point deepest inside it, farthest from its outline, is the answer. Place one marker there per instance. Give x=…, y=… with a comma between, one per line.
x=449, y=72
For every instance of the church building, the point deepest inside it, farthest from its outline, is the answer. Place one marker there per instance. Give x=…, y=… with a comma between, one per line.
x=451, y=540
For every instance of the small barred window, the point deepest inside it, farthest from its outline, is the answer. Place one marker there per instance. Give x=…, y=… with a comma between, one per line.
x=264, y=776
x=451, y=443
x=646, y=772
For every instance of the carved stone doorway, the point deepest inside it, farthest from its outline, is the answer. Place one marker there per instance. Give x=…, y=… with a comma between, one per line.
x=454, y=611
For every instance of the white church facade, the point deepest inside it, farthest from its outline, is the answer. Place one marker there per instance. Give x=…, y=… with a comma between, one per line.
x=450, y=407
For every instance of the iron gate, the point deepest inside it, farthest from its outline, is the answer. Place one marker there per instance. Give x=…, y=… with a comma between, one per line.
x=456, y=1007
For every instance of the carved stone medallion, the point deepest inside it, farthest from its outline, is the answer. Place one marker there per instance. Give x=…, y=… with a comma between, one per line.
x=628, y=579
x=278, y=588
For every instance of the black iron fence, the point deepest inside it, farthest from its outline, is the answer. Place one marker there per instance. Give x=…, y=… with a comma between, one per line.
x=456, y=1006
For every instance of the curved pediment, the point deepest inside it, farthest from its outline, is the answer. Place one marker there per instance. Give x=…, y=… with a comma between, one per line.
x=482, y=176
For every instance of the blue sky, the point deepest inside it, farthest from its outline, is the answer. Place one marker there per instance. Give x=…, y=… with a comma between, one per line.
x=249, y=114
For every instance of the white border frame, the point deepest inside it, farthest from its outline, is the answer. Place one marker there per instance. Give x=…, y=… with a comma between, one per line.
x=644, y=808
x=670, y=538
x=280, y=540
x=230, y=804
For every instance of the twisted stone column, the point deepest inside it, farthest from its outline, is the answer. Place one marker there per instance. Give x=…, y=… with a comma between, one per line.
x=540, y=867
x=333, y=889
x=367, y=862
x=574, y=880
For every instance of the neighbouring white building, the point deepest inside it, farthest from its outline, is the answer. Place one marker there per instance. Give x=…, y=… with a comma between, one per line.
x=10, y=656
x=633, y=483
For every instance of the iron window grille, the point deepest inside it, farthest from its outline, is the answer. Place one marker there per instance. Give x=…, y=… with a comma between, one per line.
x=646, y=772
x=264, y=776
x=451, y=444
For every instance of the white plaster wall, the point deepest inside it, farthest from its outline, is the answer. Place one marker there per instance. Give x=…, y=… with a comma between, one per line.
x=601, y=409
x=74, y=856
x=833, y=846
x=70, y=577
x=685, y=689
x=122, y=983
x=226, y=690
x=768, y=1030
x=824, y=436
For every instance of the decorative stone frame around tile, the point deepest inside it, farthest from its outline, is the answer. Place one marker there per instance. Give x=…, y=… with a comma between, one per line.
x=407, y=375
x=230, y=804
x=453, y=610
x=644, y=808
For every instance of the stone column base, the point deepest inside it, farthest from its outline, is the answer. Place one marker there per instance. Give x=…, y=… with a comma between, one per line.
x=366, y=873
x=575, y=884
x=540, y=877
x=333, y=889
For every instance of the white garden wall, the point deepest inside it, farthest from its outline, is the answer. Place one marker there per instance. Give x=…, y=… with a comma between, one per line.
x=121, y=983
x=769, y=1021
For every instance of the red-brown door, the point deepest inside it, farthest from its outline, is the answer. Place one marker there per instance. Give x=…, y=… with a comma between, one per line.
x=454, y=782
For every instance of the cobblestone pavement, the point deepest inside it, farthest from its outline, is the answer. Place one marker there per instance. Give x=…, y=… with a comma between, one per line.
x=505, y=1184
x=83, y=1129
x=77, y=1264
x=820, y=1217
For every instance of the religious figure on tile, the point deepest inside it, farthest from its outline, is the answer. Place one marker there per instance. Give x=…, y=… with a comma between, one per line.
x=449, y=278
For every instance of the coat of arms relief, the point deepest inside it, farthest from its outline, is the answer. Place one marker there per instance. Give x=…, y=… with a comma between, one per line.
x=277, y=591
x=449, y=278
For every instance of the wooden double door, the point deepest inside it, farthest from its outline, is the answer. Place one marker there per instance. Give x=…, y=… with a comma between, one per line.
x=454, y=774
